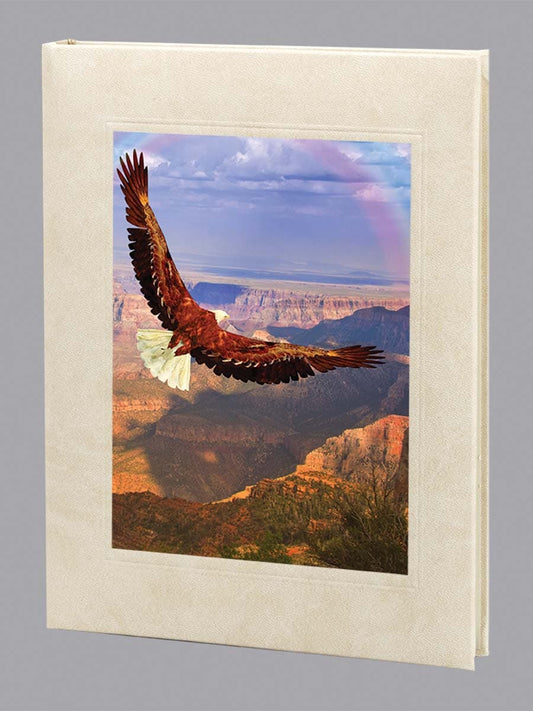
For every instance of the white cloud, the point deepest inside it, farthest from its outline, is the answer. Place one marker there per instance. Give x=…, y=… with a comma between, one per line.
x=371, y=193
x=153, y=161
x=352, y=153
x=403, y=150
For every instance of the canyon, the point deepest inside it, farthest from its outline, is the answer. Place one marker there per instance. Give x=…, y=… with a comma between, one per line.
x=216, y=439
x=302, y=518
x=253, y=308
x=273, y=473
x=376, y=453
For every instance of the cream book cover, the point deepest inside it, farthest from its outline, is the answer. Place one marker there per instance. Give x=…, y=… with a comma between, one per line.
x=266, y=346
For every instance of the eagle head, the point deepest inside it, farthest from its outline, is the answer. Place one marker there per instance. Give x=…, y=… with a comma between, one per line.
x=220, y=315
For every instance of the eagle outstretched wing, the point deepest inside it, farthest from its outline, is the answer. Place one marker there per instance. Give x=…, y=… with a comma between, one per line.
x=154, y=268
x=228, y=354
x=250, y=359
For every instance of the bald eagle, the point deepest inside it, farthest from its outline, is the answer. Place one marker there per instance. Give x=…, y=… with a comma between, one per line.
x=192, y=331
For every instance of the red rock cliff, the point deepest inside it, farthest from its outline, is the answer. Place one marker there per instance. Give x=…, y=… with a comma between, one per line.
x=355, y=451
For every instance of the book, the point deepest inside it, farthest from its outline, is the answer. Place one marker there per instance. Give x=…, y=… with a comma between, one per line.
x=266, y=346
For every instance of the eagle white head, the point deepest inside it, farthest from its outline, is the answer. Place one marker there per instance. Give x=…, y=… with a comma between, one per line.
x=220, y=315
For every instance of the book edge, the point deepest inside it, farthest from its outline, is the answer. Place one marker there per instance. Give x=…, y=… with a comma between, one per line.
x=270, y=47
x=482, y=637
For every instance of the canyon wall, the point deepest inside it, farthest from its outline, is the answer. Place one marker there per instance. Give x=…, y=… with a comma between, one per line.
x=256, y=307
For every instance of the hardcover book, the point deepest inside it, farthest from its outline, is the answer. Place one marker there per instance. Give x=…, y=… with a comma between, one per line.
x=266, y=346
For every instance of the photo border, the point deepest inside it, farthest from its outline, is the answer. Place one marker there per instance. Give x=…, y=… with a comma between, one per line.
x=212, y=564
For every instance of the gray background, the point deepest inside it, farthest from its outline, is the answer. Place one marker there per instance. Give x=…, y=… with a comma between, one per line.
x=51, y=669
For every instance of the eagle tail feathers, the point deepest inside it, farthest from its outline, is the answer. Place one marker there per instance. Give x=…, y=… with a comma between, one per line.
x=161, y=361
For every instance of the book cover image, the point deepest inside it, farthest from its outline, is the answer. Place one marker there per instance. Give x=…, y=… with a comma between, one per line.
x=261, y=349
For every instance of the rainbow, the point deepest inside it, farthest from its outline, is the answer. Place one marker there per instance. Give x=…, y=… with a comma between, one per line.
x=385, y=222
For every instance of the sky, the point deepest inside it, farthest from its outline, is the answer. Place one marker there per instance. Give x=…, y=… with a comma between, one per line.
x=341, y=206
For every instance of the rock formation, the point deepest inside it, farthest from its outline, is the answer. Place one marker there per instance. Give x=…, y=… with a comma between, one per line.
x=378, y=451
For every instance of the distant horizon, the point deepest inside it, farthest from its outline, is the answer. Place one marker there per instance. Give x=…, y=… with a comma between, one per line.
x=286, y=271
x=290, y=207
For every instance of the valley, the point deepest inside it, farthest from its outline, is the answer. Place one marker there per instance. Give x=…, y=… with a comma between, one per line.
x=200, y=471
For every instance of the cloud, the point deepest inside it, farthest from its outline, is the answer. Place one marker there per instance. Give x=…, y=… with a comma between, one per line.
x=305, y=176
x=404, y=150
x=374, y=192
x=263, y=160
x=378, y=154
x=354, y=154
x=371, y=193
x=153, y=161
x=276, y=196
